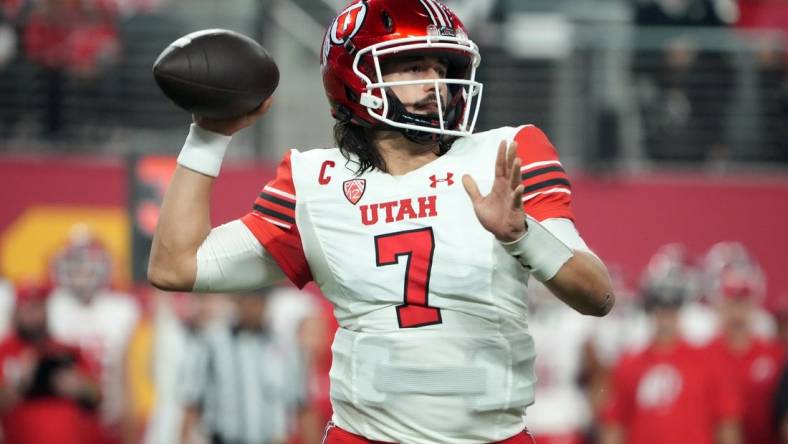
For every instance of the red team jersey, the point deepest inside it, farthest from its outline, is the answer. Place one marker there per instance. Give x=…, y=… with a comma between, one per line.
x=45, y=419
x=433, y=342
x=675, y=396
x=756, y=372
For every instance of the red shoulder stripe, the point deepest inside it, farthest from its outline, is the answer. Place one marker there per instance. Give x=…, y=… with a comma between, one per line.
x=272, y=221
x=547, y=189
x=277, y=201
x=282, y=186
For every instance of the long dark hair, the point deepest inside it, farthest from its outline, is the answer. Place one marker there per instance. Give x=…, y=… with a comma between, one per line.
x=356, y=143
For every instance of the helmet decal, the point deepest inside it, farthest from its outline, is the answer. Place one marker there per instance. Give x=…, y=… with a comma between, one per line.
x=348, y=23
x=326, y=49
x=438, y=15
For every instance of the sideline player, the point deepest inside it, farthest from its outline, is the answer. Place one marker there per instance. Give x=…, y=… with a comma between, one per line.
x=85, y=311
x=737, y=287
x=433, y=343
x=670, y=391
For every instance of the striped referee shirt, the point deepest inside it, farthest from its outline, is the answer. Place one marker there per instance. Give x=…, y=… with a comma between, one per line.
x=246, y=384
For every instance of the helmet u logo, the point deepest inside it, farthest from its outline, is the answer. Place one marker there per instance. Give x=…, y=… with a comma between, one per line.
x=348, y=23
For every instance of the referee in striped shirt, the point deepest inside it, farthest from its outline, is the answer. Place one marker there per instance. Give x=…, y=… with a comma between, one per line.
x=239, y=384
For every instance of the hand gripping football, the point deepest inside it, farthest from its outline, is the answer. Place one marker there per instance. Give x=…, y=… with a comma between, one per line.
x=216, y=73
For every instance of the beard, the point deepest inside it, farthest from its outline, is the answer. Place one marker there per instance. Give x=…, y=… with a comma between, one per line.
x=428, y=106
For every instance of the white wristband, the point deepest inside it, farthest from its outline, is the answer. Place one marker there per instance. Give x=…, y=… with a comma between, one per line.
x=203, y=151
x=539, y=250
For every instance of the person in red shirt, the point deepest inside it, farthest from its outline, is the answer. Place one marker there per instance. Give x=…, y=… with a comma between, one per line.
x=736, y=285
x=670, y=392
x=48, y=391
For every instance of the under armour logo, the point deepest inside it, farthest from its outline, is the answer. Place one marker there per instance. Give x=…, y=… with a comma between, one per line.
x=435, y=180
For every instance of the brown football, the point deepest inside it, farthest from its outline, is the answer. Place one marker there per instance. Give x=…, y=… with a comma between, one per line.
x=216, y=73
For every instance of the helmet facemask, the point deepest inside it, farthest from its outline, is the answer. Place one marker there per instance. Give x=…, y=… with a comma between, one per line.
x=456, y=116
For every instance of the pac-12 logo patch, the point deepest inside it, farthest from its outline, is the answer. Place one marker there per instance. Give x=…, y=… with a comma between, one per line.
x=348, y=23
x=354, y=189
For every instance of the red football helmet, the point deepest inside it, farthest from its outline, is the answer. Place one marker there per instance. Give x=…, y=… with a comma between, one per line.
x=84, y=265
x=367, y=31
x=732, y=273
x=669, y=278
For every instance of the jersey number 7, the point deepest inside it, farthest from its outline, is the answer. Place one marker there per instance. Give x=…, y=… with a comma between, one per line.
x=417, y=246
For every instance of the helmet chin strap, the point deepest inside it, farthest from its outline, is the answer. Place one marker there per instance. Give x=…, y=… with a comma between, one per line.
x=399, y=114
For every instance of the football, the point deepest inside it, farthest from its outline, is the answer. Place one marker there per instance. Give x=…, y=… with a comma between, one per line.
x=216, y=73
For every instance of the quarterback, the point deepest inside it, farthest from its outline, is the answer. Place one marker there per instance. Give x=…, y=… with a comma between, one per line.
x=422, y=233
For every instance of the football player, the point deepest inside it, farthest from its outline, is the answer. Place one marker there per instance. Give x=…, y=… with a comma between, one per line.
x=670, y=391
x=49, y=390
x=84, y=311
x=421, y=233
x=736, y=286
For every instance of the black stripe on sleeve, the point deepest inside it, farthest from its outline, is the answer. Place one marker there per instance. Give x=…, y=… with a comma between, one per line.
x=277, y=200
x=540, y=171
x=272, y=213
x=546, y=184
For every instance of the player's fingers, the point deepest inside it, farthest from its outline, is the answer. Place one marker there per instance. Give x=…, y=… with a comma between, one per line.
x=500, y=160
x=471, y=188
x=514, y=174
x=517, y=197
x=511, y=154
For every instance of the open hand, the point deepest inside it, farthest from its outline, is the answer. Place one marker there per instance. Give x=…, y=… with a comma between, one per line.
x=501, y=212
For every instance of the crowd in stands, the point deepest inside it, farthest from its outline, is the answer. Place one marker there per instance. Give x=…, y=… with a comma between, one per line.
x=683, y=84
x=78, y=66
x=64, y=65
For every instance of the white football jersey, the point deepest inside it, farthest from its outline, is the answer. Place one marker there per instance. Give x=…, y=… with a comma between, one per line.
x=101, y=328
x=433, y=344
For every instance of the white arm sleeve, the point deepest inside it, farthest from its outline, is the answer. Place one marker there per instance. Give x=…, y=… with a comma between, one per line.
x=566, y=232
x=232, y=259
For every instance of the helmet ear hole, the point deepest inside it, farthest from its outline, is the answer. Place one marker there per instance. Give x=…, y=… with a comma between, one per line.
x=388, y=22
x=351, y=95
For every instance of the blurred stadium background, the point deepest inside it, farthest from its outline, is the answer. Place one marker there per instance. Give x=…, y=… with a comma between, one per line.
x=670, y=115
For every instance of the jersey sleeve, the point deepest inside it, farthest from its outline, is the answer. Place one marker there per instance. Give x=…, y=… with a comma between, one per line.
x=272, y=221
x=547, y=191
